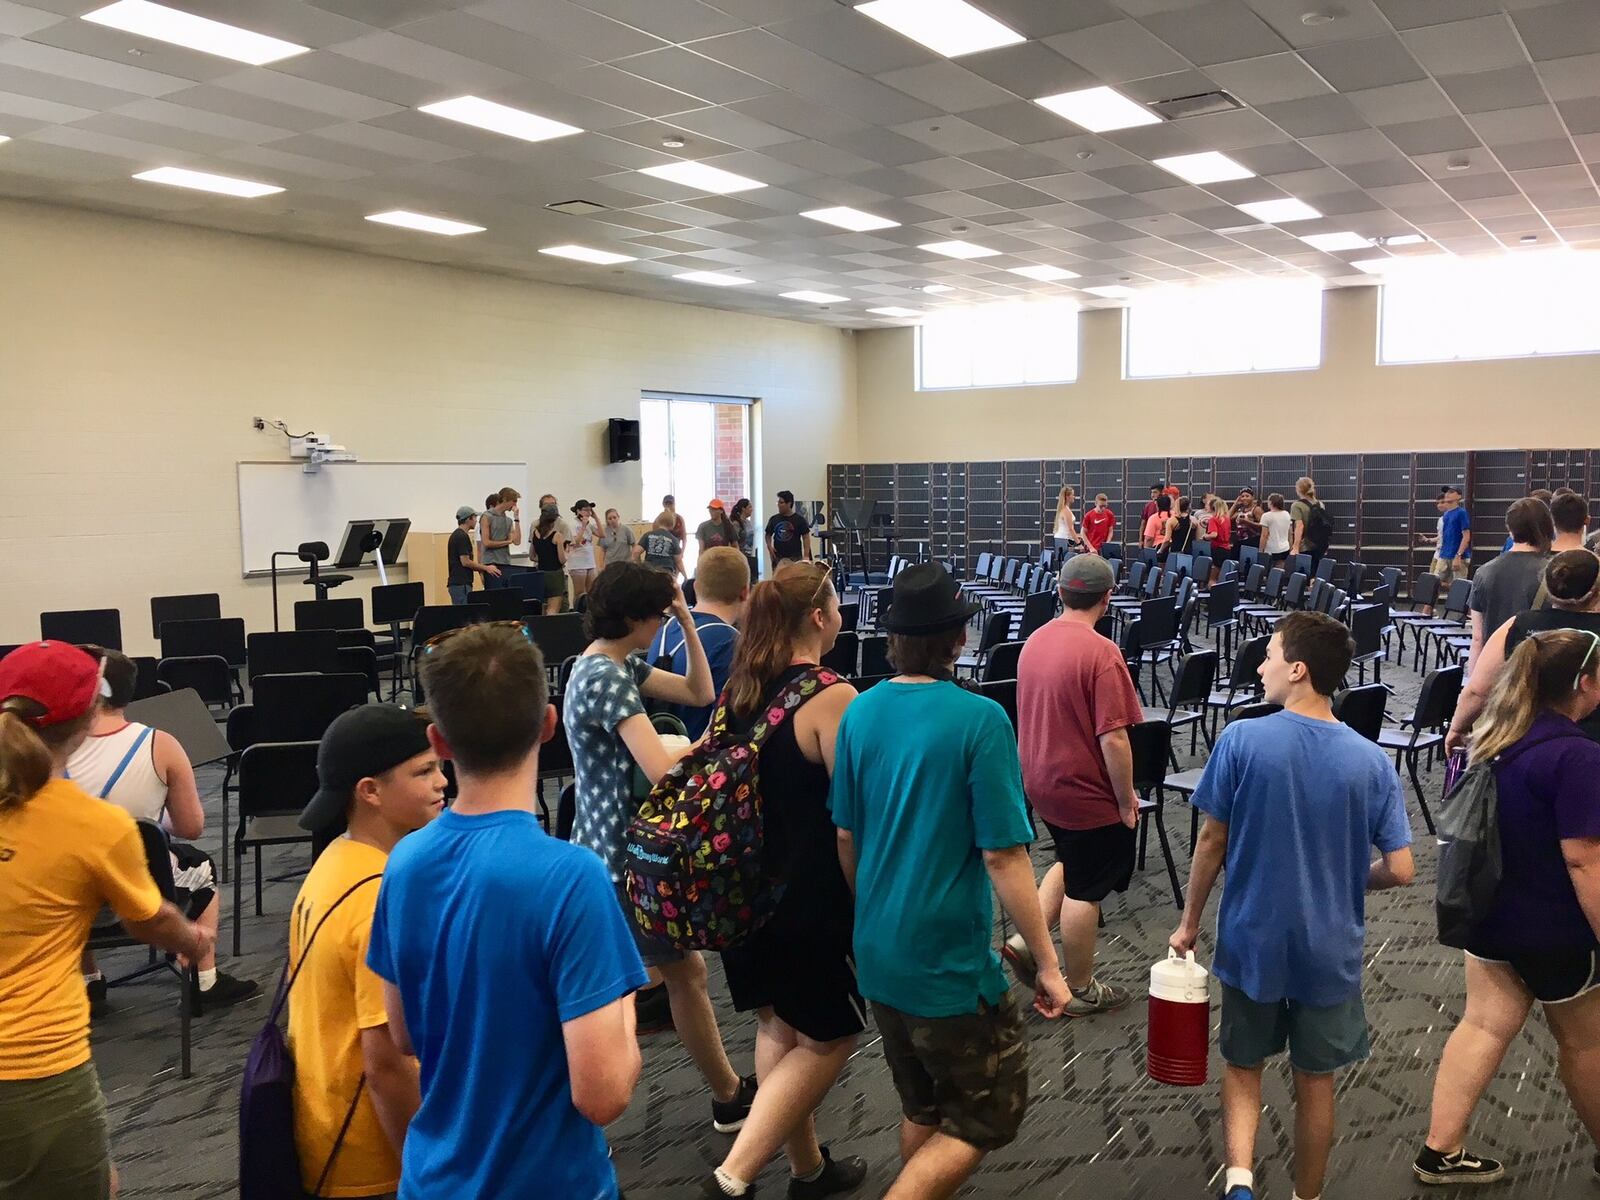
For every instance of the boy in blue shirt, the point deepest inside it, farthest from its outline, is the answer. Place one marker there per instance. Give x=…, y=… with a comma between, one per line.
x=1294, y=803
x=721, y=593
x=1453, y=541
x=508, y=969
x=927, y=797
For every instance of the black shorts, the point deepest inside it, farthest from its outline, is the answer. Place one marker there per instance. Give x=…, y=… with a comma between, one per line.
x=1096, y=862
x=1553, y=976
x=809, y=985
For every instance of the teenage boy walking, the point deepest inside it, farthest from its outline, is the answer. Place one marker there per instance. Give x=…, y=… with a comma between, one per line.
x=507, y=967
x=1294, y=804
x=379, y=780
x=927, y=797
x=788, y=533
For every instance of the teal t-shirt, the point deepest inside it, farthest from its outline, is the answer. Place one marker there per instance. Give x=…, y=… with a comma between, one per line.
x=926, y=778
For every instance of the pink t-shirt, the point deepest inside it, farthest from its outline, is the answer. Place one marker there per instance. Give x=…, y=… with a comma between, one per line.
x=1072, y=687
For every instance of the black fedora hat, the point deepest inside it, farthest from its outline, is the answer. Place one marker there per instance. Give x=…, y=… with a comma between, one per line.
x=927, y=600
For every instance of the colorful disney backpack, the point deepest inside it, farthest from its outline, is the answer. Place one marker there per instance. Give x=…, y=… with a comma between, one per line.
x=694, y=852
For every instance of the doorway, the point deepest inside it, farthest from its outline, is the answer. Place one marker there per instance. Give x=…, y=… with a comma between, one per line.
x=695, y=448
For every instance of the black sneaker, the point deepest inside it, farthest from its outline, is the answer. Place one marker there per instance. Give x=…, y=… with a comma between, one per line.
x=99, y=1000
x=838, y=1175
x=652, y=1010
x=727, y=1116
x=1461, y=1167
x=710, y=1189
x=228, y=989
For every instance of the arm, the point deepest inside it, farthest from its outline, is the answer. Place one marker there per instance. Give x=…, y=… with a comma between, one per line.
x=1485, y=670
x=638, y=552
x=1210, y=852
x=1011, y=872
x=392, y=1082
x=603, y=1060
x=1477, y=641
x=561, y=549
x=471, y=563
x=805, y=545
x=847, y=857
x=644, y=745
x=398, y=1033
x=1294, y=542
x=695, y=689
x=184, y=816
x=1395, y=869
x=485, y=542
x=169, y=930
x=1117, y=750
x=1583, y=865
x=516, y=528
x=1466, y=544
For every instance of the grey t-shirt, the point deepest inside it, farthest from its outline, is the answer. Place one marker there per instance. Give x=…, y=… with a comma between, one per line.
x=661, y=549
x=617, y=544
x=499, y=530
x=1505, y=587
x=601, y=695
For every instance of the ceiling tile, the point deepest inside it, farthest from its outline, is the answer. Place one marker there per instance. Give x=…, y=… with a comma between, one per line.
x=1534, y=123
x=1119, y=51
x=947, y=86
x=1368, y=63
x=1419, y=100
x=1362, y=145
x=1413, y=14
x=694, y=74
x=1461, y=47
x=1021, y=121
x=1044, y=18
x=1268, y=79
x=571, y=26
x=672, y=20
x=1560, y=30
x=1509, y=87
x=1221, y=31
x=952, y=135
x=1554, y=152
x=1388, y=172
x=1315, y=115
x=1431, y=137
x=1030, y=69
x=845, y=37
x=1014, y=163
x=1569, y=78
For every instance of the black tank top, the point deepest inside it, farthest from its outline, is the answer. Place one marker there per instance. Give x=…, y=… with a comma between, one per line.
x=545, y=552
x=1182, y=534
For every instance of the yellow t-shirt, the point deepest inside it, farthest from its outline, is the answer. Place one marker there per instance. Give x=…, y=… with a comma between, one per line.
x=63, y=856
x=335, y=997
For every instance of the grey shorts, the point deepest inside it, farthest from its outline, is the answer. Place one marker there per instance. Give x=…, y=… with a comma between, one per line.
x=652, y=952
x=1320, y=1040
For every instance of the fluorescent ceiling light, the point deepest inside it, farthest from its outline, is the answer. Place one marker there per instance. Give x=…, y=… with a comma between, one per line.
x=424, y=223
x=1044, y=274
x=1278, y=212
x=1405, y=239
x=948, y=27
x=703, y=178
x=499, y=118
x=958, y=250
x=935, y=289
x=814, y=297
x=712, y=279
x=200, y=181
x=1099, y=109
x=197, y=33
x=850, y=218
x=601, y=258
x=1344, y=240
x=1207, y=167
x=1111, y=291
x=1373, y=266
x=4, y=138
x=895, y=311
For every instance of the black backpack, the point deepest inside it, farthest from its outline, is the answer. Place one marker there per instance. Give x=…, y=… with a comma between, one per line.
x=1319, y=530
x=269, y=1162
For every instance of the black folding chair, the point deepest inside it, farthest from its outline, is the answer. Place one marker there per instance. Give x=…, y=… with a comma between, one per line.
x=347, y=612
x=1152, y=746
x=1004, y=693
x=197, y=606
x=205, y=637
x=996, y=629
x=1003, y=661
x=1362, y=709
x=285, y=653
x=1185, y=782
x=1436, y=707
x=845, y=656
x=276, y=781
x=1186, y=705
x=1244, y=681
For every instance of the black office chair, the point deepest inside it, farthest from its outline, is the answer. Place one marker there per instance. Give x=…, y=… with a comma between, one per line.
x=83, y=627
x=314, y=554
x=559, y=637
x=276, y=781
x=198, y=606
x=1152, y=746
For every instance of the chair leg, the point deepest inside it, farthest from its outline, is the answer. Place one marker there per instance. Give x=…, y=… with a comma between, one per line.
x=1422, y=801
x=223, y=865
x=238, y=893
x=1166, y=852
x=1194, y=826
x=1144, y=841
x=187, y=981
x=258, y=881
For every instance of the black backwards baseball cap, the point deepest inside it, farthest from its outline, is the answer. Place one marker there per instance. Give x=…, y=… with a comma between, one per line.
x=361, y=742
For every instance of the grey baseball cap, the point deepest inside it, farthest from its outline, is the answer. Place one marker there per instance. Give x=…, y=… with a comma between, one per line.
x=1087, y=573
x=465, y=511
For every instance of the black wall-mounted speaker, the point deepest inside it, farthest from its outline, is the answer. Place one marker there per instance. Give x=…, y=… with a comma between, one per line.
x=622, y=440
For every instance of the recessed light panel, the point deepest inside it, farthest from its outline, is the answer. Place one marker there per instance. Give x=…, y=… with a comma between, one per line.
x=165, y=24
x=1099, y=109
x=1279, y=212
x=814, y=297
x=958, y=250
x=1044, y=274
x=947, y=27
x=937, y=289
x=202, y=182
x=703, y=178
x=1344, y=240
x=1373, y=266
x=424, y=223
x=895, y=311
x=1111, y=291
x=712, y=279
x=852, y=219
x=499, y=118
x=1405, y=239
x=1206, y=167
x=601, y=258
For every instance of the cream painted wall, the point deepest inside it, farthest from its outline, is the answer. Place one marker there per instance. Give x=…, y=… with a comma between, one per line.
x=134, y=353
x=1350, y=404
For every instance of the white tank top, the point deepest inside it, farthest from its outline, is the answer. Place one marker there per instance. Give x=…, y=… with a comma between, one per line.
x=139, y=789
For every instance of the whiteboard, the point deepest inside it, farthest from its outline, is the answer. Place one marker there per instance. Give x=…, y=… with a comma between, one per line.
x=281, y=506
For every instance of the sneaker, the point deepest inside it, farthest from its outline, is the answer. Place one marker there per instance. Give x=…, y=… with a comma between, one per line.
x=1020, y=959
x=228, y=990
x=1097, y=998
x=710, y=1189
x=1461, y=1167
x=1238, y=1192
x=652, y=1010
x=838, y=1175
x=727, y=1116
x=99, y=998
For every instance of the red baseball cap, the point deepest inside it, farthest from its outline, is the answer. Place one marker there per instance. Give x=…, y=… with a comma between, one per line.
x=57, y=677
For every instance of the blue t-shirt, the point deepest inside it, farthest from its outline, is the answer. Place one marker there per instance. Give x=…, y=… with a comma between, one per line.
x=495, y=934
x=1452, y=524
x=718, y=639
x=1304, y=801
x=926, y=778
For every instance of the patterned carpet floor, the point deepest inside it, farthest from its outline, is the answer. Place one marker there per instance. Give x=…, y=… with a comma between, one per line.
x=1097, y=1127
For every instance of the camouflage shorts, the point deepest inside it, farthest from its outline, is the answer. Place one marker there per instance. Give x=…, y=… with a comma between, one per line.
x=968, y=1075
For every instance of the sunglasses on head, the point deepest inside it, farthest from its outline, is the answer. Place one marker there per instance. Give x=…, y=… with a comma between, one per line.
x=439, y=639
x=1583, y=667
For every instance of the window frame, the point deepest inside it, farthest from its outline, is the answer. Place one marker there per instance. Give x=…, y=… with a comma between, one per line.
x=1064, y=304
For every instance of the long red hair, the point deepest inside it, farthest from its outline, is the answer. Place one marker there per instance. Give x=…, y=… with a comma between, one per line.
x=773, y=620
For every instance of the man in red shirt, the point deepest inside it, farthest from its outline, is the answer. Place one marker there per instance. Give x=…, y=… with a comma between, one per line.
x=1075, y=702
x=1098, y=523
x=1150, y=507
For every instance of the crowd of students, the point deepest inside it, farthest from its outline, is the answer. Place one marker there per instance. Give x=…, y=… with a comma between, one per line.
x=470, y=989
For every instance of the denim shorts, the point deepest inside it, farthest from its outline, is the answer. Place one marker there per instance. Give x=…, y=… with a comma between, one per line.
x=1320, y=1040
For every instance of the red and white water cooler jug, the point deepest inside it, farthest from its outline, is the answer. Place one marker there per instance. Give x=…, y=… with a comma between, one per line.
x=1179, y=1031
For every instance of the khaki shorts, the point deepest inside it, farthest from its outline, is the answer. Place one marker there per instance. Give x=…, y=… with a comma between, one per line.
x=54, y=1144
x=1445, y=569
x=966, y=1075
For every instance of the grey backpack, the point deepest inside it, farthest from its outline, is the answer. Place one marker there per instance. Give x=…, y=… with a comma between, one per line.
x=1469, y=854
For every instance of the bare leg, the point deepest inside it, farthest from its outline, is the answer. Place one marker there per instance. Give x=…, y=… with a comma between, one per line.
x=1080, y=925
x=913, y=1137
x=1052, y=891
x=935, y=1171
x=1497, y=1006
x=1241, y=1114
x=696, y=1023
x=1576, y=1025
x=1313, y=1131
x=795, y=1073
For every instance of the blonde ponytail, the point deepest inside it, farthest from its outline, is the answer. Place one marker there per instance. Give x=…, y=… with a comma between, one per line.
x=1539, y=673
x=26, y=761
